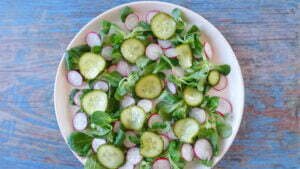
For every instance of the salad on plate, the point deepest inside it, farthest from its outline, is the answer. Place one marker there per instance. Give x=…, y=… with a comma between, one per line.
x=141, y=94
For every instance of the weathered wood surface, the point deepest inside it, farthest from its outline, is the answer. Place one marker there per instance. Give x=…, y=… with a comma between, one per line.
x=264, y=35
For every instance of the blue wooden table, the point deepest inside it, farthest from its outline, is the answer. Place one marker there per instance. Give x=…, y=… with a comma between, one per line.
x=264, y=35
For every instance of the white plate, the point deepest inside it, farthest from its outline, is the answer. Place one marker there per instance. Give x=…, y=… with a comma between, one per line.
x=223, y=53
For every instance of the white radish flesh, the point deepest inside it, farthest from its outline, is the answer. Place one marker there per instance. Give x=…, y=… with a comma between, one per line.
x=74, y=78
x=222, y=83
x=224, y=106
x=76, y=98
x=171, y=135
x=154, y=118
x=172, y=87
x=127, y=143
x=165, y=140
x=93, y=39
x=198, y=114
x=170, y=52
x=97, y=142
x=161, y=163
x=147, y=105
x=80, y=121
x=131, y=21
x=178, y=71
x=112, y=68
x=127, y=101
x=116, y=127
x=133, y=156
x=187, y=152
x=123, y=68
x=153, y=51
x=101, y=85
x=164, y=43
x=107, y=52
x=127, y=165
x=203, y=149
x=150, y=15
x=208, y=50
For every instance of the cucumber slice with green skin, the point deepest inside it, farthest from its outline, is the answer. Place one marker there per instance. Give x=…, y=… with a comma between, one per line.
x=213, y=77
x=148, y=87
x=186, y=129
x=163, y=25
x=192, y=96
x=90, y=65
x=184, y=55
x=132, y=49
x=133, y=117
x=95, y=100
x=110, y=156
x=151, y=145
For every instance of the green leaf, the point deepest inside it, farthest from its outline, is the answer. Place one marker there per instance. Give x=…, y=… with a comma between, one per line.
x=126, y=85
x=80, y=143
x=178, y=16
x=134, y=139
x=73, y=55
x=113, y=78
x=101, y=118
x=105, y=25
x=141, y=62
x=145, y=165
x=210, y=103
x=96, y=49
x=92, y=163
x=124, y=12
x=223, y=69
x=72, y=95
x=174, y=155
x=119, y=138
x=224, y=129
x=208, y=163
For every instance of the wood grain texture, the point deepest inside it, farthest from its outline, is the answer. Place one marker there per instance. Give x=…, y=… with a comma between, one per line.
x=264, y=35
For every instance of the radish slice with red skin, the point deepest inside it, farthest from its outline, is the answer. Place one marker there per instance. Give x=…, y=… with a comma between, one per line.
x=165, y=141
x=221, y=114
x=134, y=156
x=127, y=165
x=187, y=152
x=123, y=68
x=76, y=98
x=145, y=104
x=107, y=52
x=127, y=143
x=153, y=51
x=178, y=71
x=112, y=68
x=208, y=50
x=93, y=39
x=131, y=21
x=198, y=114
x=224, y=106
x=161, y=163
x=222, y=83
x=97, y=142
x=116, y=127
x=127, y=101
x=101, y=85
x=150, y=15
x=203, y=149
x=165, y=44
x=74, y=78
x=170, y=52
x=80, y=121
x=154, y=118
x=172, y=87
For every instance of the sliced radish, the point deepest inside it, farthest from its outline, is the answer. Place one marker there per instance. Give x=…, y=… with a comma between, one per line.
x=101, y=85
x=97, y=142
x=154, y=118
x=150, y=15
x=208, y=50
x=198, y=114
x=134, y=68
x=127, y=143
x=107, y=52
x=76, y=98
x=170, y=52
x=153, y=51
x=112, y=68
x=224, y=106
x=137, y=166
x=178, y=71
x=80, y=121
x=74, y=78
x=123, y=68
x=165, y=140
x=187, y=152
x=170, y=134
x=172, y=87
x=116, y=127
x=221, y=114
x=146, y=104
x=131, y=21
x=93, y=39
x=161, y=163
x=127, y=101
x=167, y=72
x=164, y=43
x=127, y=165
x=134, y=156
x=203, y=149
x=222, y=83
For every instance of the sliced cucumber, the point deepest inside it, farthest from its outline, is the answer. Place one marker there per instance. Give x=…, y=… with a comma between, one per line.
x=163, y=25
x=133, y=117
x=186, y=129
x=151, y=144
x=110, y=156
x=132, y=49
x=192, y=96
x=184, y=55
x=90, y=65
x=95, y=100
x=213, y=77
x=148, y=87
